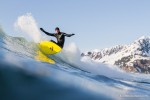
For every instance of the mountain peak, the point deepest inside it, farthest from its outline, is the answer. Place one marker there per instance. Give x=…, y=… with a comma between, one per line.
x=143, y=45
x=125, y=55
x=143, y=39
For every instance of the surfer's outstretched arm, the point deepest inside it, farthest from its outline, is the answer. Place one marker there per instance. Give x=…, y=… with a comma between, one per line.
x=68, y=35
x=51, y=34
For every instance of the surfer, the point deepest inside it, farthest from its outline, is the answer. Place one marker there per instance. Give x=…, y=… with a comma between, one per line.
x=60, y=36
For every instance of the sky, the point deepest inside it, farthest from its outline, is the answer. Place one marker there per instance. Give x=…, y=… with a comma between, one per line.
x=97, y=24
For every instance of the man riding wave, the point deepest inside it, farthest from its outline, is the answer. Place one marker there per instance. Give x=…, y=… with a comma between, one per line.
x=60, y=36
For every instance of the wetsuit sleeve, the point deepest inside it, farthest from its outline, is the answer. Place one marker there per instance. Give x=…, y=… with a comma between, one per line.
x=51, y=34
x=68, y=35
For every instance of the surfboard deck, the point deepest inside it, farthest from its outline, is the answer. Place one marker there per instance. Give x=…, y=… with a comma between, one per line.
x=47, y=48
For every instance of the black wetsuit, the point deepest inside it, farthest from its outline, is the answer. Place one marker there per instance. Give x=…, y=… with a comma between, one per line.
x=60, y=37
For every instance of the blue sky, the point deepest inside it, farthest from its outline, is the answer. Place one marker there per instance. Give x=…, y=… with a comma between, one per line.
x=96, y=23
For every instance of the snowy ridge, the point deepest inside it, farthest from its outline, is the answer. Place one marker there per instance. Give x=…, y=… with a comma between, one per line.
x=125, y=55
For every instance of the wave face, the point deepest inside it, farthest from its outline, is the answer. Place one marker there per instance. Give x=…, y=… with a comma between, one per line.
x=72, y=77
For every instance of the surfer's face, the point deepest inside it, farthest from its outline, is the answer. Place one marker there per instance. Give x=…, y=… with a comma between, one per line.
x=57, y=31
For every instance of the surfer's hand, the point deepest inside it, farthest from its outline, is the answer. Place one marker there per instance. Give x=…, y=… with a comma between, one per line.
x=41, y=29
x=73, y=34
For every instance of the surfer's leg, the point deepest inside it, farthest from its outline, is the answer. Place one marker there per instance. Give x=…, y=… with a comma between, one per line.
x=53, y=41
x=56, y=43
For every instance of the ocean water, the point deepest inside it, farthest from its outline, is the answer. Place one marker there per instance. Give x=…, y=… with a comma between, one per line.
x=72, y=78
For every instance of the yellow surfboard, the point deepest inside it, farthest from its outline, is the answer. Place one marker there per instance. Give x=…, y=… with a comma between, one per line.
x=42, y=57
x=47, y=48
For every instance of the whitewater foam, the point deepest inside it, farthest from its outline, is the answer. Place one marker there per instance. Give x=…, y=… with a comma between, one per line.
x=71, y=55
x=28, y=25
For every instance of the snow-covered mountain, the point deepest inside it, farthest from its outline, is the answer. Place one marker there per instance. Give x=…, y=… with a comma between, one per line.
x=134, y=57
